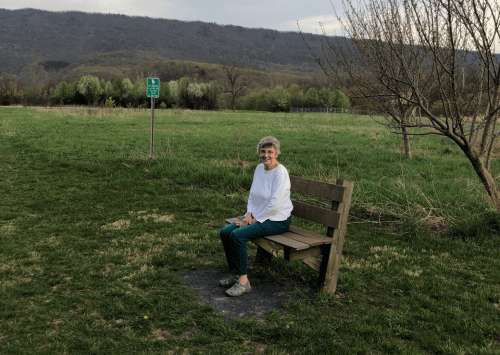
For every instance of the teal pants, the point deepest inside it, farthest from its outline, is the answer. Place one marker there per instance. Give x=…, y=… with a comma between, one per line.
x=234, y=239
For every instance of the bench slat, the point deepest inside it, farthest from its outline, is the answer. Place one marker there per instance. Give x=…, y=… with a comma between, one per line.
x=313, y=263
x=296, y=245
x=317, y=188
x=291, y=254
x=232, y=220
x=268, y=246
x=316, y=214
x=311, y=235
x=306, y=240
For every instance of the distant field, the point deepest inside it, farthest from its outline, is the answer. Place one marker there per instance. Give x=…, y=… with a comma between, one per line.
x=94, y=236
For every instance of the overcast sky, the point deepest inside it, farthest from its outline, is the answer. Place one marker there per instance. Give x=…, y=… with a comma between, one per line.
x=281, y=15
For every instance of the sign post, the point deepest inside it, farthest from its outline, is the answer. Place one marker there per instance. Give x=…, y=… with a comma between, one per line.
x=153, y=91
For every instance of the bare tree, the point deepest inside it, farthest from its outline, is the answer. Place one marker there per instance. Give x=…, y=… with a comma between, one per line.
x=408, y=54
x=374, y=61
x=235, y=81
x=142, y=71
x=35, y=75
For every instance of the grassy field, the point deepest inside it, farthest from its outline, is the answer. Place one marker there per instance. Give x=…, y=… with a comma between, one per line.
x=94, y=236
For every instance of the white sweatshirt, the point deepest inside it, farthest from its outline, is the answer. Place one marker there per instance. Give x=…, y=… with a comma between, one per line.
x=270, y=194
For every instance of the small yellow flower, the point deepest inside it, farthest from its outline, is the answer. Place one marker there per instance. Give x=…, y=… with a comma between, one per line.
x=145, y=317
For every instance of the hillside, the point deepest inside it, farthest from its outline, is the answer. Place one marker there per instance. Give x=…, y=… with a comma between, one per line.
x=63, y=41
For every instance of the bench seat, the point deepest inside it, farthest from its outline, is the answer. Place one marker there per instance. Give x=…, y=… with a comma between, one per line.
x=296, y=238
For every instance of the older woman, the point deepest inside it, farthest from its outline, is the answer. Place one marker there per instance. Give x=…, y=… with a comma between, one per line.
x=268, y=212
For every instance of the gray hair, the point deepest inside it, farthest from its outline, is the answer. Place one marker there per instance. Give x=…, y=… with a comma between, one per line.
x=269, y=141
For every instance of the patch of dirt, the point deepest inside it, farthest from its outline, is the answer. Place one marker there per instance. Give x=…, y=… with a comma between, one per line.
x=157, y=218
x=121, y=224
x=7, y=228
x=235, y=162
x=265, y=296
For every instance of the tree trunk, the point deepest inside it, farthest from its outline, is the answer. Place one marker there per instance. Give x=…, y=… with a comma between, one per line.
x=485, y=177
x=406, y=140
x=233, y=102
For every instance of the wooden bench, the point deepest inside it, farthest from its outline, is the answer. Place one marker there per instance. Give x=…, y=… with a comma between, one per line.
x=320, y=252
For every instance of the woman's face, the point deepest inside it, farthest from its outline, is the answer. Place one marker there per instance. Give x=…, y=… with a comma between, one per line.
x=269, y=157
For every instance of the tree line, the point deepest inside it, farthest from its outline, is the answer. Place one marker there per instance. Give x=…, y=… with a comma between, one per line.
x=186, y=93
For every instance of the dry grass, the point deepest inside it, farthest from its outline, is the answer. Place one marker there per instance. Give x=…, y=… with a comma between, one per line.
x=379, y=257
x=155, y=217
x=9, y=133
x=391, y=214
x=118, y=225
x=160, y=334
x=20, y=270
x=233, y=162
x=8, y=228
x=415, y=273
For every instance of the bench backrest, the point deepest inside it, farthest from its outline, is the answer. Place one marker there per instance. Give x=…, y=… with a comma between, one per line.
x=339, y=194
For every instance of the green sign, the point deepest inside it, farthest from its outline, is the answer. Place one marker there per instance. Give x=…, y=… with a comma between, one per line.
x=153, y=87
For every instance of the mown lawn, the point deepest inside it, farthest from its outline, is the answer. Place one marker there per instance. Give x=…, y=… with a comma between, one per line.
x=94, y=236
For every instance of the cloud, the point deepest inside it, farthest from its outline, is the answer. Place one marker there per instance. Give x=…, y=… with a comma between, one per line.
x=316, y=25
x=126, y=7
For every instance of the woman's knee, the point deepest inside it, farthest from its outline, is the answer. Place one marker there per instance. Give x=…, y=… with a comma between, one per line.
x=236, y=237
x=226, y=232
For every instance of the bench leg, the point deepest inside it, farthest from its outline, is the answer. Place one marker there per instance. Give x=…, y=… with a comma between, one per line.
x=329, y=269
x=327, y=281
x=266, y=250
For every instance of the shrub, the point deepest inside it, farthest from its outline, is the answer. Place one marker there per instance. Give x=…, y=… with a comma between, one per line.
x=110, y=103
x=280, y=99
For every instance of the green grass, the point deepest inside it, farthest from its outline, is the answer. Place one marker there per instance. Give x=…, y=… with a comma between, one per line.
x=94, y=236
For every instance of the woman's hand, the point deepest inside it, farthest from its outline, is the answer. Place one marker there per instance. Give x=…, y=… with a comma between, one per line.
x=246, y=221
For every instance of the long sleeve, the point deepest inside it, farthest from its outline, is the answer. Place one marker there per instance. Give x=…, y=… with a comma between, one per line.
x=270, y=195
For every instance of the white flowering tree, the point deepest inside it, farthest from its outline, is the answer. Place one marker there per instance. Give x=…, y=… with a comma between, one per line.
x=90, y=88
x=196, y=93
x=280, y=99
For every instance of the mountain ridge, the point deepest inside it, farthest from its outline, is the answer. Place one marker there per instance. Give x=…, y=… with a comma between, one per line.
x=65, y=38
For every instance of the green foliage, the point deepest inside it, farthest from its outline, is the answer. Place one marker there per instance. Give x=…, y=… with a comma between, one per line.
x=211, y=95
x=138, y=95
x=340, y=100
x=62, y=94
x=183, y=98
x=311, y=98
x=257, y=100
x=165, y=96
x=110, y=103
x=280, y=100
x=296, y=95
x=121, y=90
x=174, y=91
x=90, y=89
x=8, y=89
x=325, y=97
